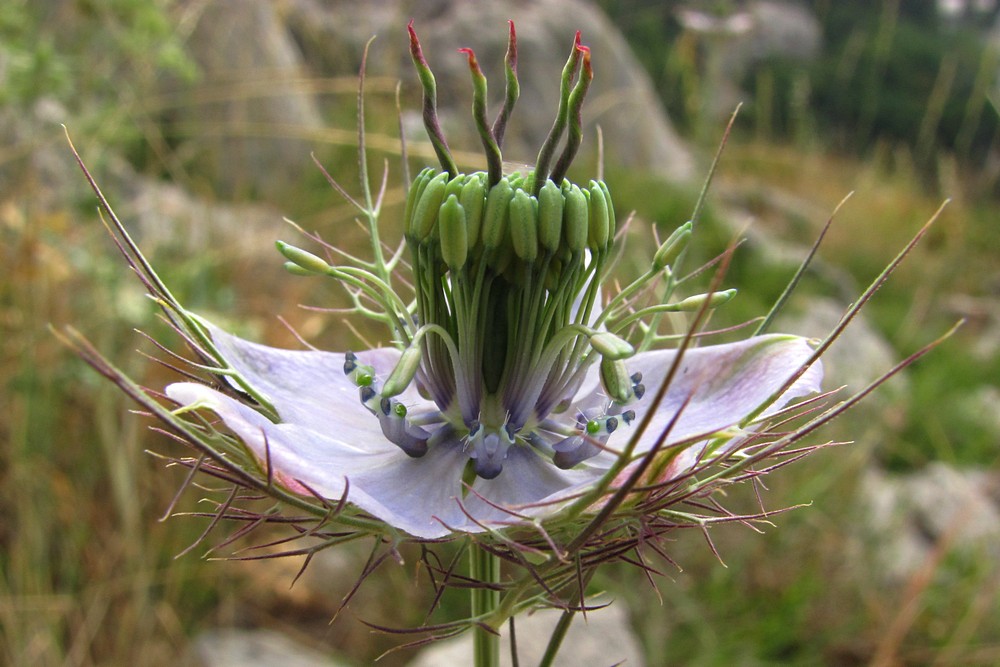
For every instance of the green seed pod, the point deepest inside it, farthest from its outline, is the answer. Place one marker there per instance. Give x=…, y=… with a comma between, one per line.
x=453, y=233
x=550, y=216
x=473, y=200
x=426, y=209
x=495, y=216
x=402, y=375
x=615, y=379
x=668, y=251
x=524, y=225
x=576, y=219
x=600, y=221
x=611, y=346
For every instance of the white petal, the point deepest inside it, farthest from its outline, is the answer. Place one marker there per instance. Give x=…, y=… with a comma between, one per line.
x=417, y=496
x=722, y=384
x=308, y=387
x=529, y=485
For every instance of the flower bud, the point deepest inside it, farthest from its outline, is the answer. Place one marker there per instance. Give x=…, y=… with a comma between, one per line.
x=306, y=261
x=669, y=249
x=693, y=303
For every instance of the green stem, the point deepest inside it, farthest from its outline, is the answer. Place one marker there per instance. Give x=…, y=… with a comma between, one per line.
x=556, y=640
x=484, y=567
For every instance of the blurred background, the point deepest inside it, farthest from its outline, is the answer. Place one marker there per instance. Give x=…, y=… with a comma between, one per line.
x=198, y=119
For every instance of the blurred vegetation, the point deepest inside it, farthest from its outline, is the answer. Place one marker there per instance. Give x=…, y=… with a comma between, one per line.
x=894, y=109
x=896, y=72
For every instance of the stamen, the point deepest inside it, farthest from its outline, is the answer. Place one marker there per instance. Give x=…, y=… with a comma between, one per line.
x=360, y=374
x=573, y=450
x=489, y=449
x=399, y=431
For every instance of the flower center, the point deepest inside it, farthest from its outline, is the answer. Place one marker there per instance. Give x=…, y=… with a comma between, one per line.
x=507, y=282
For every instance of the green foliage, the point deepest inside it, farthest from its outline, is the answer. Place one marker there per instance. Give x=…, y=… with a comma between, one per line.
x=887, y=72
x=906, y=78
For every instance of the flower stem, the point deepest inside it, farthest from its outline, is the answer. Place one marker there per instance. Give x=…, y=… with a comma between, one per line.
x=555, y=641
x=484, y=567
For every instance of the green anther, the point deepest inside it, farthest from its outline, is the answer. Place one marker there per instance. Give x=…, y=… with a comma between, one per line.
x=669, y=249
x=306, y=261
x=416, y=189
x=454, y=186
x=524, y=225
x=473, y=200
x=550, y=216
x=399, y=409
x=402, y=375
x=425, y=211
x=611, y=346
x=615, y=379
x=612, y=220
x=693, y=303
x=593, y=427
x=600, y=219
x=576, y=219
x=495, y=216
x=453, y=233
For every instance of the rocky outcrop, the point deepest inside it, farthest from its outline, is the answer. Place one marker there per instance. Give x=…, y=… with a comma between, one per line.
x=913, y=518
x=253, y=116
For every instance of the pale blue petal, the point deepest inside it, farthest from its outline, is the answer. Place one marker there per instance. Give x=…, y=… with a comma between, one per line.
x=417, y=496
x=309, y=387
x=529, y=485
x=722, y=384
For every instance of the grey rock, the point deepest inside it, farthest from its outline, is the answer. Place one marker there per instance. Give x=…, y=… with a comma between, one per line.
x=636, y=130
x=858, y=357
x=909, y=516
x=760, y=30
x=166, y=216
x=235, y=647
x=252, y=101
x=605, y=638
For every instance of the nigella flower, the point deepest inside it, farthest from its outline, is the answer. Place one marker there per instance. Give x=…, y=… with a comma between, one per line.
x=512, y=389
x=519, y=401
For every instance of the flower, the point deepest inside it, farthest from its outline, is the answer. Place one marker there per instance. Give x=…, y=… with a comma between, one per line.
x=514, y=389
x=328, y=442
